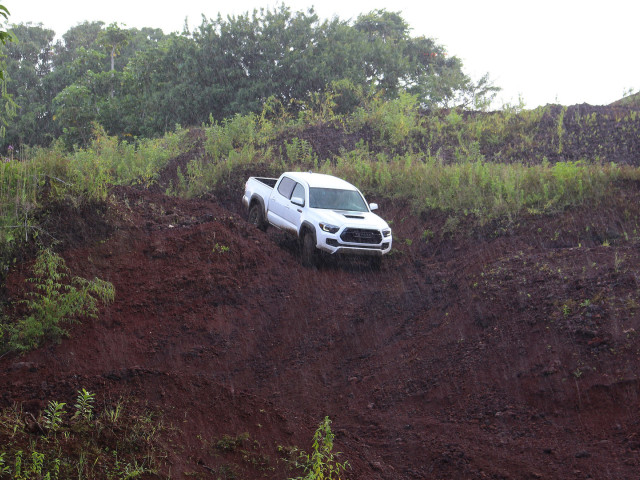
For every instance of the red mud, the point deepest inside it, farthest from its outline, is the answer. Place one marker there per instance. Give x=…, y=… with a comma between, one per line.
x=502, y=351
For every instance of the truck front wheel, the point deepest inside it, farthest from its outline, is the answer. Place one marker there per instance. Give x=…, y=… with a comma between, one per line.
x=256, y=217
x=309, y=253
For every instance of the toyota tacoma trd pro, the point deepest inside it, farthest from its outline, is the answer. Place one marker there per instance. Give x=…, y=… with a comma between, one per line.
x=325, y=213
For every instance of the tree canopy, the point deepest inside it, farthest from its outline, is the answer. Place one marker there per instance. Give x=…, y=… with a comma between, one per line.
x=7, y=105
x=143, y=82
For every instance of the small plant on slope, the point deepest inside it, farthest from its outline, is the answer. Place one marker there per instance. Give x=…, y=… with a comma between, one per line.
x=56, y=299
x=53, y=415
x=322, y=463
x=4, y=468
x=84, y=405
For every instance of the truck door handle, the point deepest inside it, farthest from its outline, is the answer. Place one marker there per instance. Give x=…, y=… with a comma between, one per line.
x=299, y=210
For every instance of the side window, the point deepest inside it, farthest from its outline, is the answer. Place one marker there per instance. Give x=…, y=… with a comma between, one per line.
x=298, y=191
x=286, y=187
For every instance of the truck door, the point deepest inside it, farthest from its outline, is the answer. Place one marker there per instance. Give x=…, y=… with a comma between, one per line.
x=292, y=214
x=279, y=203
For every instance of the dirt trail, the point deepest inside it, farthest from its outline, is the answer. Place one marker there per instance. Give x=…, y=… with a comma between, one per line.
x=491, y=352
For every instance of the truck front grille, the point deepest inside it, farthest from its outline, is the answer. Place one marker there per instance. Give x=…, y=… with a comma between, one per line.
x=359, y=235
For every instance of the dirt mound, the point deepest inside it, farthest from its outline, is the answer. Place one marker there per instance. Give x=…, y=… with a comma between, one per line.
x=494, y=351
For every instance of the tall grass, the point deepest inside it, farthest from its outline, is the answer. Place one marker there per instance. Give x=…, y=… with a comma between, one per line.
x=43, y=175
x=203, y=175
x=488, y=190
x=463, y=182
x=469, y=184
x=229, y=135
x=433, y=160
x=109, y=161
x=394, y=120
x=22, y=180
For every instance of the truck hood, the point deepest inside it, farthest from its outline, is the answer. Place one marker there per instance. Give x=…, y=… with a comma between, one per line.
x=353, y=219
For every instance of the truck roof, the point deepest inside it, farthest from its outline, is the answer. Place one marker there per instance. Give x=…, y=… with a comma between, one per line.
x=315, y=180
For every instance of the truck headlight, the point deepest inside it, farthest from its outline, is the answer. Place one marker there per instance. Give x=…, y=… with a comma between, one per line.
x=326, y=227
x=386, y=232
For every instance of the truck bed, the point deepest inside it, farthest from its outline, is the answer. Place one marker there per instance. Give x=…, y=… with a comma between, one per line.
x=270, y=182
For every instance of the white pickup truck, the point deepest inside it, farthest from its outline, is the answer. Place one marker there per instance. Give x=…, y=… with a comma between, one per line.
x=323, y=212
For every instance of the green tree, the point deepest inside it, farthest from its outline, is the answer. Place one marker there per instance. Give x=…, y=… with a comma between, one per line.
x=439, y=80
x=4, y=35
x=87, y=80
x=384, y=59
x=81, y=36
x=8, y=112
x=113, y=39
x=139, y=40
x=75, y=54
x=394, y=62
x=273, y=53
x=226, y=66
x=163, y=86
x=28, y=66
x=75, y=112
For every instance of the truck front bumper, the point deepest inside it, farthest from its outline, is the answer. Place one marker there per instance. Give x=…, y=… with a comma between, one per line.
x=335, y=244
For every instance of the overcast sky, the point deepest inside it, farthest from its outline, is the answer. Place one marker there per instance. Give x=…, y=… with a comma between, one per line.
x=560, y=51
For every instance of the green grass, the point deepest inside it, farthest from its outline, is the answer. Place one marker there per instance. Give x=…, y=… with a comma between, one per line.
x=39, y=176
x=487, y=190
x=119, y=441
x=433, y=161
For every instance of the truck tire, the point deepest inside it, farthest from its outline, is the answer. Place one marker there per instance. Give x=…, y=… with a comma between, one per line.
x=309, y=252
x=256, y=216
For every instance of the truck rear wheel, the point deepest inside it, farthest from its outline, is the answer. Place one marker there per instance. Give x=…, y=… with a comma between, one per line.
x=309, y=252
x=256, y=216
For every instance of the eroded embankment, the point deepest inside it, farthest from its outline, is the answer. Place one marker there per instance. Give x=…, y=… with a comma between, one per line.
x=503, y=351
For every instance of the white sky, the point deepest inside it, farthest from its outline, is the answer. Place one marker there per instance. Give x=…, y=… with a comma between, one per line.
x=547, y=51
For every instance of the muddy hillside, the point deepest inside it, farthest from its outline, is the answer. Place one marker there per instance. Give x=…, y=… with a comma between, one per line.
x=508, y=350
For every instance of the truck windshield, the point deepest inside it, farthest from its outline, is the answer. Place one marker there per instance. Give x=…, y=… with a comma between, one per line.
x=334, y=199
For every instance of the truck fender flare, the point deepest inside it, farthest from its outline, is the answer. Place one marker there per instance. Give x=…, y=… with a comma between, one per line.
x=255, y=198
x=304, y=227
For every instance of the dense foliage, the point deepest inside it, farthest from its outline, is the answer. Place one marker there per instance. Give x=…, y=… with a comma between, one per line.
x=141, y=83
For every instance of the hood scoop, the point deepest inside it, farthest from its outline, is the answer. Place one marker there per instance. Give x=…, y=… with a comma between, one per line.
x=360, y=217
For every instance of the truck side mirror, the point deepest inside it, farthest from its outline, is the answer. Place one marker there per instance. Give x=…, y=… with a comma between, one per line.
x=373, y=206
x=297, y=201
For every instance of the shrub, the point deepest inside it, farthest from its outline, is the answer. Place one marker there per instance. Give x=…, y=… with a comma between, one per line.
x=56, y=299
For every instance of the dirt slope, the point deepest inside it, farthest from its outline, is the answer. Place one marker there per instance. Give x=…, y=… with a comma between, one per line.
x=502, y=351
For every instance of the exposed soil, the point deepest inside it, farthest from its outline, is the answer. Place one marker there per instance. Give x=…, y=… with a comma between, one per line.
x=478, y=351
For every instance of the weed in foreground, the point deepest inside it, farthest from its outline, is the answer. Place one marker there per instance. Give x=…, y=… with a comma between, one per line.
x=322, y=462
x=84, y=405
x=80, y=445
